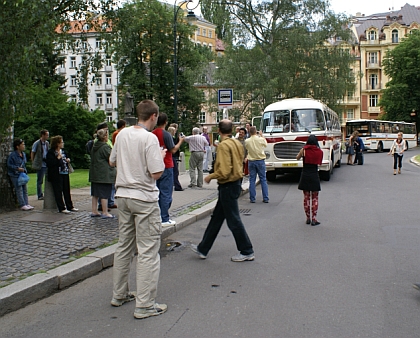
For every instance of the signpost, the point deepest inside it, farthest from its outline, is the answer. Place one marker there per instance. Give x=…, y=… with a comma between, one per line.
x=225, y=100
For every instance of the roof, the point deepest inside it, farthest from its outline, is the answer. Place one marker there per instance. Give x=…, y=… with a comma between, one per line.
x=83, y=26
x=405, y=16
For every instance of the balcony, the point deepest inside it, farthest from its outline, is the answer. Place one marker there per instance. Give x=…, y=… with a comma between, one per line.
x=374, y=110
x=108, y=106
x=108, y=87
x=350, y=100
x=108, y=68
x=62, y=70
x=373, y=65
x=374, y=87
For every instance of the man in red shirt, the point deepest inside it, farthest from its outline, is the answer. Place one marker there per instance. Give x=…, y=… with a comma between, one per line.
x=165, y=182
x=120, y=126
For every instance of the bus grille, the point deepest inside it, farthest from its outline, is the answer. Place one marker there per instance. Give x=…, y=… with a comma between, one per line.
x=287, y=150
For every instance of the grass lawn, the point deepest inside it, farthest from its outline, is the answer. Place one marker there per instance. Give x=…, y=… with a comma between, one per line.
x=417, y=158
x=78, y=179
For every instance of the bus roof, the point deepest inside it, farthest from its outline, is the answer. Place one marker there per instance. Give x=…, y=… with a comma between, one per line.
x=372, y=120
x=289, y=104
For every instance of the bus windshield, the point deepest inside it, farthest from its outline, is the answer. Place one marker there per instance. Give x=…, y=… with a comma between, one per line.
x=296, y=120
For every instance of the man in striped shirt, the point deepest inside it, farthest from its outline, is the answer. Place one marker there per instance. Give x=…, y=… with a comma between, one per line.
x=197, y=144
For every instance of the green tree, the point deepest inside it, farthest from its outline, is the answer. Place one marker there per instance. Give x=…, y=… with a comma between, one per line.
x=51, y=110
x=402, y=92
x=27, y=37
x=142, y=46
x=217, y=12
x=286, y=49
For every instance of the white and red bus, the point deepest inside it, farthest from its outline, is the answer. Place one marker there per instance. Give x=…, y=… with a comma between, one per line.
x=287, y=125
x=379, y=135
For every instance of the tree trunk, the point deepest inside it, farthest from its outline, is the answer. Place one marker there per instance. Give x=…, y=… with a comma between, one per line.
x=7, y=193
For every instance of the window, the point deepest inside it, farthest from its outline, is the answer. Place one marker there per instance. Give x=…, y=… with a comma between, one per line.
x=108, y=98
x=202, y=117
x=350, y=94
x=204, y=32
x=210, y=46
x=84, y=44
x=198, y=31
x=99, y=81
x=73, y=98
x=394, y=36
x=108, y=79
x=98, y=44
x=98, y=98
x=373, y=57
x=372, y=35
x=86, y=27
x=210, y=33
x=350, y=114
x=373, y=100
x=373, y=81
x=72, y=62
x=108, y=62
x=73, y=80
x=219, y=116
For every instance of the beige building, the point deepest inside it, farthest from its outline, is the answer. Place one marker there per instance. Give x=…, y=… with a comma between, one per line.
x=375, y=35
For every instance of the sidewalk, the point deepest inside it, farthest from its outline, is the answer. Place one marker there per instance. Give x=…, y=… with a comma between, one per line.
x=38, y=248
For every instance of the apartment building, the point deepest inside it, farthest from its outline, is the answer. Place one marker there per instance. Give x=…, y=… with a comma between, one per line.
x=101, y=86
x=375, y=34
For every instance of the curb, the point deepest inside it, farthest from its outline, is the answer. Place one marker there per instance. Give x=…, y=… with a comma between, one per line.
x=17, y=295
x=413, y=160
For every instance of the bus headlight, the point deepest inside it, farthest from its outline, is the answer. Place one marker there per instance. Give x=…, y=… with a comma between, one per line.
x=267, y=155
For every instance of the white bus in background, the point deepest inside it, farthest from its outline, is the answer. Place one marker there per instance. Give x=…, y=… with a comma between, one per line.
x=287, y=125
x=378, y=135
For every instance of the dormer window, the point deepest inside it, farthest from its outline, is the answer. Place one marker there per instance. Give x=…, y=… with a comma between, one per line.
x=394, y=36
x=372, y=35
x=86, y=27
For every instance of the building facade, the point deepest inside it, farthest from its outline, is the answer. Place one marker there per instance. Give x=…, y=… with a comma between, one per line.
x=375, y=35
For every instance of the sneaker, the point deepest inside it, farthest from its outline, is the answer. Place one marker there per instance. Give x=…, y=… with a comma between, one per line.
x=154, y=310
x=30, y=207
x=40, y=198
x=65, y=211
x=128, y=298
x=25, y=208
x=170, y=222
x=195, y=250
x=74, y=209
x=242, y=258
x=191, y=185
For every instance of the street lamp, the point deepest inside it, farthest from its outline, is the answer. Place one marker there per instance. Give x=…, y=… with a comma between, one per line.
x=190, y=16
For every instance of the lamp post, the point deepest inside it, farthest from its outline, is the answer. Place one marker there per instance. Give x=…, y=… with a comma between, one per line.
x=189, y=16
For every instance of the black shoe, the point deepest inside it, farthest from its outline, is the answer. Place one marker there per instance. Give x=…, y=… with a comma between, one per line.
x=314, y=223
x=308, y=221
x=179, y=189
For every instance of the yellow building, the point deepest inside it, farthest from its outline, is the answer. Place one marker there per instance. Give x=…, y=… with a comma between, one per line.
x=376, y=34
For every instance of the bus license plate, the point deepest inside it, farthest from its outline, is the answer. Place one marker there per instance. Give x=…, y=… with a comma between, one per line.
x=289, y=165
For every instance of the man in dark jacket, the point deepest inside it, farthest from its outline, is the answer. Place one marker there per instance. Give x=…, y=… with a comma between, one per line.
x=38, y=156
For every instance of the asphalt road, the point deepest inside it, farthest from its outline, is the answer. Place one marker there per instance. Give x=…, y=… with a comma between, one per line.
x=349, y=277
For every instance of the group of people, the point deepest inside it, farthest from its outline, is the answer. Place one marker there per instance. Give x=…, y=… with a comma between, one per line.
x=44, y=156
x=355, y=146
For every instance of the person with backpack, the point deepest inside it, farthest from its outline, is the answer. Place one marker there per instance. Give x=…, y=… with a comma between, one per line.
x=359, y=147
x=397, y=150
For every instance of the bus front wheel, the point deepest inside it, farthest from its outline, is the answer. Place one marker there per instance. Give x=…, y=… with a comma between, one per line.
x=380, y=148
x=271, y=176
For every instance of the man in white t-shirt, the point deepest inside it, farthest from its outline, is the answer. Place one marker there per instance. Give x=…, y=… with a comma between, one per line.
x=139, y=159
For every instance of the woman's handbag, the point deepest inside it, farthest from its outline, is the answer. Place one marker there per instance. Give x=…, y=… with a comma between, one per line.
x=71, y=170
x=23, y=179
x=393, y=150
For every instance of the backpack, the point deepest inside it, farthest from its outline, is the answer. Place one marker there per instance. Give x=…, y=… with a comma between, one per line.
x=89, y=146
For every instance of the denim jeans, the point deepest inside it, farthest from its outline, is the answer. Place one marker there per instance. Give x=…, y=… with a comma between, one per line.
x=227, y=208
x=165, y=184
x=257, y=167
x=21, y=192
x=397, y=158
x=40, y=174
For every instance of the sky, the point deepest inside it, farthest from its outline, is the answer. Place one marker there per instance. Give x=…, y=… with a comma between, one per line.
x=351, y=7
